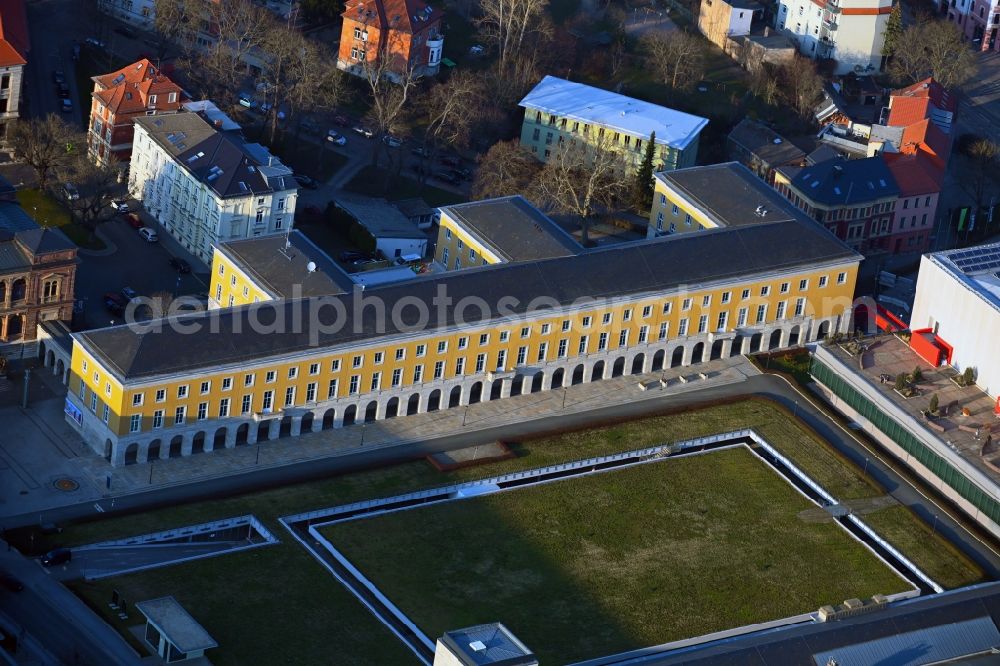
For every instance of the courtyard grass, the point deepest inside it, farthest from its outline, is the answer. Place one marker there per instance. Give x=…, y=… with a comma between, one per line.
x=710, y=542
x=49, y=212
x=263, y=588
x=375, y=182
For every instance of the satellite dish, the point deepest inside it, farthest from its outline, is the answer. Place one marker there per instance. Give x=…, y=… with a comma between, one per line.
x=311, y=267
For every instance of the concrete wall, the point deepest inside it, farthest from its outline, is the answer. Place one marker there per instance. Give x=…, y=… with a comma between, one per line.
x=963, y=319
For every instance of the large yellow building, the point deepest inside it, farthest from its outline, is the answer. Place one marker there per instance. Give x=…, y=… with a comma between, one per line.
x=333, y=357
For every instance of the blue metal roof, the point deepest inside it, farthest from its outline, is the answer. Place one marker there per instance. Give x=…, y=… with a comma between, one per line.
x=488, y=644
x=839, y=182
x=914, y=648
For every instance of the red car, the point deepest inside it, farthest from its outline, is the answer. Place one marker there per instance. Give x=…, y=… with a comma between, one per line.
x=134, y=221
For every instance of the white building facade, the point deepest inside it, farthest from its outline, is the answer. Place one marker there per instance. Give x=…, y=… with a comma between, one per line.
x=958, y=298
x=851, y=32
x=210, y=191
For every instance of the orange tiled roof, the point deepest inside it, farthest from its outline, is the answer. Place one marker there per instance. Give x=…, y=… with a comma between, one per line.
x=915, y=174
x=927, y=138
x=14, y=42
x=404, y=15
x=128, y=89
x=928, y=89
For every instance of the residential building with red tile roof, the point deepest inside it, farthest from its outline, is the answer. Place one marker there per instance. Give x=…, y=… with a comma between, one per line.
x=14, y=48
x=139, y=89
x=408, y=31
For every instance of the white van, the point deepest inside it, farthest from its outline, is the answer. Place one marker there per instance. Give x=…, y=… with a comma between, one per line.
x=148, y=235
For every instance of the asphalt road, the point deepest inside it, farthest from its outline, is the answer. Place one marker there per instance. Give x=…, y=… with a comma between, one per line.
x=763, y=385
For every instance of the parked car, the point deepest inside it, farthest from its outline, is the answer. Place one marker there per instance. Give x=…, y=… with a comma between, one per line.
x=421, y=152
x=180, y=265
x=364, y=261
x=114, y=303
x=119, y=206
x=58, y=77
x=336, y=137
x=447, y=176
x=392, y=141
x=341, y=120
x=363, y=131
x=95, y=42
x=348, y=256
x=476, y=49
x=134, y=220
x=309, y=125
x=62, y=90
x=148, y=235
x=461, y=174
x=70, y=192
x=305, y=181
x=67, y=106
x=129, y=293
x=247, y=100
x=56, y=557
x=125, y=31
x=10, y=583
x=450, y=160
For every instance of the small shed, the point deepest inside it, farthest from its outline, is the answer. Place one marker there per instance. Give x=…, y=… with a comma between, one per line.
x=394, y=234
x=416, y=211
x=171, y=631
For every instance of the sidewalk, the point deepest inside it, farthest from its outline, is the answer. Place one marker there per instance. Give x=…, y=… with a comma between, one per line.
x=50, y=457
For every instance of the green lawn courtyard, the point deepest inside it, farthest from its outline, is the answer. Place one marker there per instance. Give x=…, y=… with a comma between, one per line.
x=281, y=591
x=590, y=566
x=49, y=212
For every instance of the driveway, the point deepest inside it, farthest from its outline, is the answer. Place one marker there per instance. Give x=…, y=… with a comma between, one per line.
x=134, y=263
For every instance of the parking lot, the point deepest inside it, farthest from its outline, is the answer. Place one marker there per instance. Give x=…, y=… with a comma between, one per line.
x=135, y=263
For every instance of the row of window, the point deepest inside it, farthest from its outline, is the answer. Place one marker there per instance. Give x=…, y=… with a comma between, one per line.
x=576, y=127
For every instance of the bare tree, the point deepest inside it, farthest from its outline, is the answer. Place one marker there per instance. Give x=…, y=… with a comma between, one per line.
x=46, y=145
x=522, y=71
x=511, y=25
x=980, y=183
x=932, y=48
x=505, y=169
x=802, y=84
x=677, y=58
x=96, y=184
x=174, y=23
x=582, y=179
x=453, y=109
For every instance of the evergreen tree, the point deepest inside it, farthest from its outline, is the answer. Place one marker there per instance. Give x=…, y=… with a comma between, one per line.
x=642, y=188
x=893, y=30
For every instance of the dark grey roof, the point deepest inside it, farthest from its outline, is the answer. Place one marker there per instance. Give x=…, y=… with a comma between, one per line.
x=237, y=335
x=43, y=240
x=514, y=228
x=765, y=143
x=414, y=207
x=840, y=182
x=751, y=5
x=176, y=624
x=379, y=217
x=281, y=268
x=730, y=194
x=222, y=160
x=822, y=153
x=812, y=643
x=13, y=218
x=12, y=257
x=488, y=645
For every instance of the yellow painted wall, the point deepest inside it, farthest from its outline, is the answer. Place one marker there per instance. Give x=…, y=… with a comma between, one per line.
x=688, y=218
x=228, y=281
x=827, y=301
x=453, y=237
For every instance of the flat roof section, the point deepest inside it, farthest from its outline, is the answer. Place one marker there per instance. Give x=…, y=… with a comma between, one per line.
x=568, y=99
x=176, y=624
x=379, y=217
x=978, y=267
x=732, y=195
x=514, y=228
x=488, y=645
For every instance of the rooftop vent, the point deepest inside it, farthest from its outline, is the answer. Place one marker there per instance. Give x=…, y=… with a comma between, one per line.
x=777, y=140
x=477, y=646
x=311, y=267
x=760, y=211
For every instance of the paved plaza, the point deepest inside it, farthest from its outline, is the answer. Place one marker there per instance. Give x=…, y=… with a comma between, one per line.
x=46, y=466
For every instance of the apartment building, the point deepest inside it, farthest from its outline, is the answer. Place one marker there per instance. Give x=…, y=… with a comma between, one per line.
x=14, y=48
x=139, y=89
x=558, y=111
x=206, y=185
x=854, y=199
x=245, y=374
x=408, y=31
x=498, y=231
x=851, y=32
x=761, y=149
x=978, y=20
x=724, y=20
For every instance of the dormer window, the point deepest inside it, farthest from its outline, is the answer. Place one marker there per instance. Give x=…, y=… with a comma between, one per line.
x=172, y=97
x=152, y=100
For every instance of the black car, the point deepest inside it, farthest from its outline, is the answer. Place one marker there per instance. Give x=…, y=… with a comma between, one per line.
x=58, y=76
x=180, y=265
x=447, y=176
x=125, y=31
x=451, y=160
x=63, y=90
x=461, y=174
x=421, y=152
x=9, y=582
x=114, y=303
x=56, y=557
x=349, y=256
x=305, y=181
